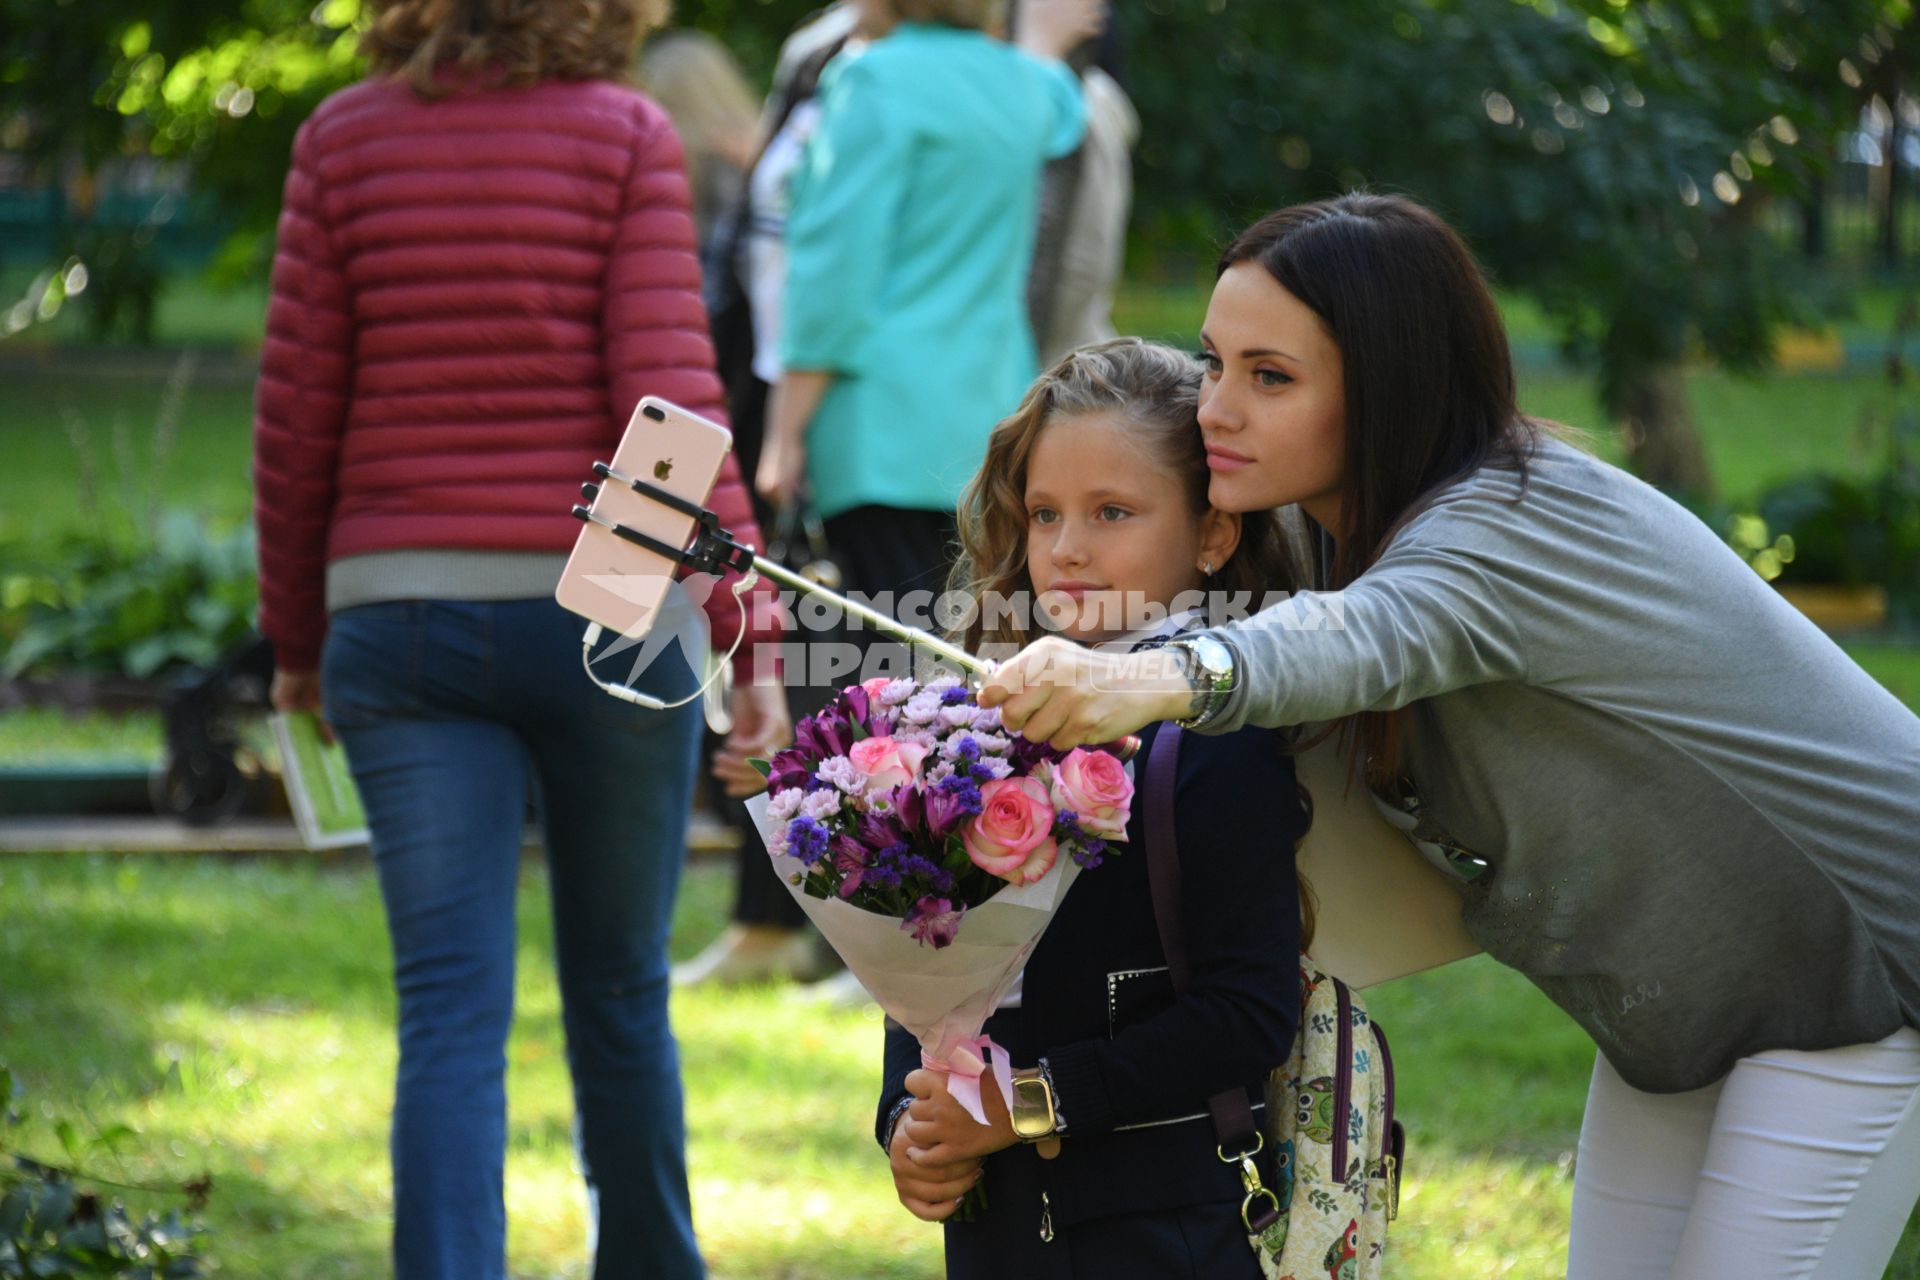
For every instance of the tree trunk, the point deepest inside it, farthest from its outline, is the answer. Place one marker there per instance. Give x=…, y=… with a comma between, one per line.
x=1896, y=194
x=1663, y=442
x=1896, y=198
x=1813, y=220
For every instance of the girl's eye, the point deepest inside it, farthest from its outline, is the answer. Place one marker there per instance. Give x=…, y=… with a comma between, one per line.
x=1271, y=377
x=1111, y=512
x=1041, y=515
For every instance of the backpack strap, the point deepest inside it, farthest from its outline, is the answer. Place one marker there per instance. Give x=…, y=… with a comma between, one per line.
x=1233, y=1122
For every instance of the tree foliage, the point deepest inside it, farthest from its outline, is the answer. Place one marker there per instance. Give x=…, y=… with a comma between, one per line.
x=1604, y=156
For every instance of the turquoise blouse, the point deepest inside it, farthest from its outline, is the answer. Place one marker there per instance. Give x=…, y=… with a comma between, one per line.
x=907, y=250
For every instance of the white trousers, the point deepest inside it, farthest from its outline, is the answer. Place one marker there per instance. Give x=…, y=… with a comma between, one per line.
x=1797, y=1166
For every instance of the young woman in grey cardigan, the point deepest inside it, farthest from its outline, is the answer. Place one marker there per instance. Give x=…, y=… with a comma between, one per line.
x=1666, y=798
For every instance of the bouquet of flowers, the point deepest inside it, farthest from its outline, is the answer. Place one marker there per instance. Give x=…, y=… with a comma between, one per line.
x=931, y=848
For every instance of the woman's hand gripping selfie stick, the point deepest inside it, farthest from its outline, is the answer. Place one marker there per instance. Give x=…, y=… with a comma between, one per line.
x=715, y=551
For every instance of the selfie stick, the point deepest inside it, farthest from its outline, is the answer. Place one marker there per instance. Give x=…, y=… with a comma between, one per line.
x=714, y=550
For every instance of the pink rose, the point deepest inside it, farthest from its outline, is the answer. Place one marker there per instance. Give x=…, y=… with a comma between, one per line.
x=873, y=688
x=1094, y=785
x=1012, y=836
x=886, y=762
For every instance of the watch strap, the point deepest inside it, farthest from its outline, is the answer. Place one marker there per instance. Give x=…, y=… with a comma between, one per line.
x=1053, y=1091
x=1210, y=692
x=892, y=1123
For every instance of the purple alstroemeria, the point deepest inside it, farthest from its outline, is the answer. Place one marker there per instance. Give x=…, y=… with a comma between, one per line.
x=790, y=768
x=934, y=921
x=827, y=732
x=878, y=830
x=859, y=708
x=851, y=860
x=940, y=809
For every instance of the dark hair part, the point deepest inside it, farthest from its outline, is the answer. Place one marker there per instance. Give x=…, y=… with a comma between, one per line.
x=1156, y=390
x=1428, y=374
x=506, y=43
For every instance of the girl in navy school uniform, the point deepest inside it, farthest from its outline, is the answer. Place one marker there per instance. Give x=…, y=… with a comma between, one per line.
x=1092, y=497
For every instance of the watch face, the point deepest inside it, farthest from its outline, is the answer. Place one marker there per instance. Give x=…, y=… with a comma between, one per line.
x=1214, y=658
x=1032, y=1108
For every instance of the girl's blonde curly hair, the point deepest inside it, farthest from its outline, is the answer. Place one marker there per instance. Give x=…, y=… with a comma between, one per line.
x=1156, y=391
x=507, y=44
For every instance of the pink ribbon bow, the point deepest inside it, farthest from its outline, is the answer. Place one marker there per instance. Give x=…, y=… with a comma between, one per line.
x=963, y=1068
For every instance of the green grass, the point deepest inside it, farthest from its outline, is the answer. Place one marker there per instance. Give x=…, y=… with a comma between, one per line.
x=43, y=736
x=1757, y=432
x=244, y=1029
x=90, y=446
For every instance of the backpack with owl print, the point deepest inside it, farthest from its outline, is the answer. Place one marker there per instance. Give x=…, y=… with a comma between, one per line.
x=1330, y=1117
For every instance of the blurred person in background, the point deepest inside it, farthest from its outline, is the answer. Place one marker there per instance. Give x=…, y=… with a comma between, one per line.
x=696, y=79
x=485, y=259
x=889, y=317
x=1080, y=241
x=767, y=936
x=904, y=334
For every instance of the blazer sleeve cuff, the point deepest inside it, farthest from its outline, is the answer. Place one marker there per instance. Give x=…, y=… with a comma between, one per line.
x=1082, y=1089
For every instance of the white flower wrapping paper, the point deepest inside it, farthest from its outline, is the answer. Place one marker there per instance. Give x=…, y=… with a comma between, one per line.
x=944, y=996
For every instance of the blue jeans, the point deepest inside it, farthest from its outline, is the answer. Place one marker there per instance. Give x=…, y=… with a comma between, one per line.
x=453, y=715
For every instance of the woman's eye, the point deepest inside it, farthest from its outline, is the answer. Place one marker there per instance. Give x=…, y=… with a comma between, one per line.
x=1271, y=377
x=1111, y=512
x=1209, y=361
x=1041, y=515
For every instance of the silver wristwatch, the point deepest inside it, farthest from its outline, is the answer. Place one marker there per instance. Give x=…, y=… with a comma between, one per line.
x=1208, y=665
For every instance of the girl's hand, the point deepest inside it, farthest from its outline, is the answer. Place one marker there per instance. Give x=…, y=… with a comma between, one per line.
x=939, y=1132
x=1055, y=691
x=930, y=1193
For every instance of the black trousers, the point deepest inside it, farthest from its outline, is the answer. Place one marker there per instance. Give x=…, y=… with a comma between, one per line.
x=880, y=550
x=1198, y=1242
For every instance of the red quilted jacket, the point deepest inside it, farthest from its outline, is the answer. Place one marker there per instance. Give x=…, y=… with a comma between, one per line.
x=469, y=297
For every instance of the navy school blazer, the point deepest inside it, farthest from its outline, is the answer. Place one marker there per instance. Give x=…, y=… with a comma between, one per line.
x=1132, y=1064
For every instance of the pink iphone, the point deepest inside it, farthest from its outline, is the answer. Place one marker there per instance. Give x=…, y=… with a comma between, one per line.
x=610, y=580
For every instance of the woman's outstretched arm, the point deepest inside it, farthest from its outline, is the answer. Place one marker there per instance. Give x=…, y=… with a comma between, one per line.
x=1424, y=620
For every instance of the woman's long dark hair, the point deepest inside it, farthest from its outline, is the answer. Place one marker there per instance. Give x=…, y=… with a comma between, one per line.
x=1428, y=374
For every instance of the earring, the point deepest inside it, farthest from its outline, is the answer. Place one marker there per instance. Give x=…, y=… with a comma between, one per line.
x=1206, y=568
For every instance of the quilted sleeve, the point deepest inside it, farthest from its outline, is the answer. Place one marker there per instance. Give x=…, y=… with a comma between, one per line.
x=300, y=410
x=657, y=343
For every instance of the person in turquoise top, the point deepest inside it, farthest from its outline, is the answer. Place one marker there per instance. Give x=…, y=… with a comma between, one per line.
x=904, y=334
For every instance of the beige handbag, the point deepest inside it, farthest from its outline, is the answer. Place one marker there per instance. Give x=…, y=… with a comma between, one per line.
x=1382, y=911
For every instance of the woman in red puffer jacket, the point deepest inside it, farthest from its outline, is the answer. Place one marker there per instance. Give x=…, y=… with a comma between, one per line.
x=485, y=259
